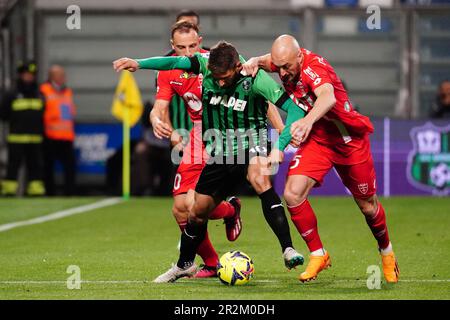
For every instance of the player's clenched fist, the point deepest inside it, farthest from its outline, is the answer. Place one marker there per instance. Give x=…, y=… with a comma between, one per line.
x=161, y=129
x=125, y=64
x=301, y=129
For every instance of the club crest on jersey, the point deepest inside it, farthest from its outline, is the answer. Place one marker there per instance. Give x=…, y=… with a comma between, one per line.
x=347, y=106
x=246, y=85
x=428, y=166
x=231, y=102
x=363, y=187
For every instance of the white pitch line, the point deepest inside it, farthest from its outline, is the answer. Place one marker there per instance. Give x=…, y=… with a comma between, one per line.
x=43, y=282
x=61, y=214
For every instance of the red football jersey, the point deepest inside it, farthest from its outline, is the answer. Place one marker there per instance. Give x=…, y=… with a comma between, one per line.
x=185, y=84
x=342, y=128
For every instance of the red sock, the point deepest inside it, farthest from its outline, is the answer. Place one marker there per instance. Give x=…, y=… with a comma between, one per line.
x=205, y=250
x=223, y=210
x=306, y=222
x=378, y=226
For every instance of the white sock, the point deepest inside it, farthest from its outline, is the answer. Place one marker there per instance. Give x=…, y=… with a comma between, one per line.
x=386, y=250
x=319, y=252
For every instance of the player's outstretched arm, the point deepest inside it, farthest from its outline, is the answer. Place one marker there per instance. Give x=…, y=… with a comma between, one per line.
x=153, y=63
x=275, y=118
x=265, y=86
x=294, y=113
x=252, y=66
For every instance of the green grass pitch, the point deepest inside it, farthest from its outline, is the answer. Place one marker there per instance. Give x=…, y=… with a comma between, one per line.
x=122, y=248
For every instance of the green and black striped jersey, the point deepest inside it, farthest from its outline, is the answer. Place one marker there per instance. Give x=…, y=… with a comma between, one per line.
x=235, y=118
x=179, y=116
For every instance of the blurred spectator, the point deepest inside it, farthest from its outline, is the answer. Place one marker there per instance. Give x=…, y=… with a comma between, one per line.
x=190, y=16
x=23, y=109
x=441, y=108
x=152, y=172
x=59, y=130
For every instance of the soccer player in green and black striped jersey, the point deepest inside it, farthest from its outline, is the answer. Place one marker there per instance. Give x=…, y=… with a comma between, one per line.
x=235, y=128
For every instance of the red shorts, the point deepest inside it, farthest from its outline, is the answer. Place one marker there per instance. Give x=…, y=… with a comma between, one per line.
x=186, y=177
x=314, y=160
x=192, y=163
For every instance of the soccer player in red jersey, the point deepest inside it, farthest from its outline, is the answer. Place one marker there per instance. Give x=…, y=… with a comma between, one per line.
x=185, y=42
x=332, y=134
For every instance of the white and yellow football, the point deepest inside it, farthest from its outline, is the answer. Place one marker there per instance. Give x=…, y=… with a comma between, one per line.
x=235, y=268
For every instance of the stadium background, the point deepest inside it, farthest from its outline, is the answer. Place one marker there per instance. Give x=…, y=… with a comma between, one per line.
x=391, y=73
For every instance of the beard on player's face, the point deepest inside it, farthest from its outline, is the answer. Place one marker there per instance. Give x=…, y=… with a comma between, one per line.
x=289, y=69
x=227, y=78
x=290, y=75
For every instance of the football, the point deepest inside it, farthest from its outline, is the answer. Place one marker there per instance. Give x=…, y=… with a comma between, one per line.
x=235, y=268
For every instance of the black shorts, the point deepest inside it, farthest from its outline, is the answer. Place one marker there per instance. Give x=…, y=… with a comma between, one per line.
x=220, y=180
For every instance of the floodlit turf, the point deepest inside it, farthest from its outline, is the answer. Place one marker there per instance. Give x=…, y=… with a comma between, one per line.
x=121, y=248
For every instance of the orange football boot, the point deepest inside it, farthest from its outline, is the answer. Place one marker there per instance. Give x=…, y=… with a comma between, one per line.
x=390, y=267
x=315, y=265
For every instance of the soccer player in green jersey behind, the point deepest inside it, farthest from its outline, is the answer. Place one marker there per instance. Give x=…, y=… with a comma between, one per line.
x=235, y=132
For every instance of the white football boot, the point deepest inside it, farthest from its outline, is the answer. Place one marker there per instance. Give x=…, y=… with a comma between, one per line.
x=292, y=258
x=174, y=273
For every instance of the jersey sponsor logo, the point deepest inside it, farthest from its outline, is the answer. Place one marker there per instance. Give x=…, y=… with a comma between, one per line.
x=176, y=83
x=297, y=102
x=428, y=166
x=259, y=150
x=187, y=75
x=317, y=81
x=363, y=187
x=194, y=102
x=231, y=102
x=310, y=73
x=321, y=61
